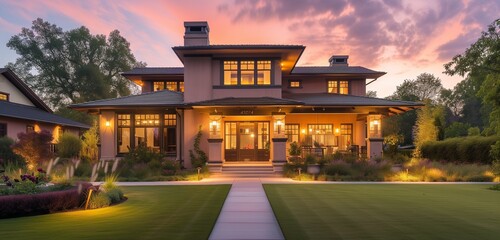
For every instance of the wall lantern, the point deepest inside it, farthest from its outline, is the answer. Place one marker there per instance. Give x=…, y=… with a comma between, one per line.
x=337, y=131
x=279, y=125
x=374, y=126
x=107, y=124
x=215, y=126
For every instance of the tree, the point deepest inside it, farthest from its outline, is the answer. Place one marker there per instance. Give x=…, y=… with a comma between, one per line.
x=34, y=147
x=72, y=66
x=69, y=145
x=372, y=94
x=426, y=86
x=90, y=148
x=480, y=63
x=426, y=128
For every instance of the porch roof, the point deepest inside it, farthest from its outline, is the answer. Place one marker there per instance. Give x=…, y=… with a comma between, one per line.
x=329, y=99
x=20, y=111
x=247, y=101
x=337, y=71
x=163, y=98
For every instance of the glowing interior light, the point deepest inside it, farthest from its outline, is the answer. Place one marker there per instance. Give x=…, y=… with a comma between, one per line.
x=107, y=124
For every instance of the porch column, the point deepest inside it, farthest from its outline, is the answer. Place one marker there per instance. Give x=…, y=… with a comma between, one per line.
x=215, y=144
x=375, y=140
x=279, y=142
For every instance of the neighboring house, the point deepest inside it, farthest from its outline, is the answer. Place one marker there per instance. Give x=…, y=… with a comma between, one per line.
x=251, y=101
x=21, y=110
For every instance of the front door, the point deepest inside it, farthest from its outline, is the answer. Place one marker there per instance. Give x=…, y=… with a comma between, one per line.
x=247, y=141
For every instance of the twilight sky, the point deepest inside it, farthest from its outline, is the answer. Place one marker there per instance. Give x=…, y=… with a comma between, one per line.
x=403, y=38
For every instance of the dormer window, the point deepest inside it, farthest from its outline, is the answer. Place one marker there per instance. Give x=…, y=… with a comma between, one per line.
x=4, y=96
x=339, y=87
x=247, y=72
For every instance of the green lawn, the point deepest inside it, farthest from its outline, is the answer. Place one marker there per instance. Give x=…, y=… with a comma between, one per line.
x=386, y=211
x=162, y=212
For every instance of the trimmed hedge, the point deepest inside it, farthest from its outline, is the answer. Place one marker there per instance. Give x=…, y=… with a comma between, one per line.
x=42, y=203
x=474, y=149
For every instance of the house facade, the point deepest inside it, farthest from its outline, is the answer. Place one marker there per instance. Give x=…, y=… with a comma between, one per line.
x=250, y=102
x=21, y=110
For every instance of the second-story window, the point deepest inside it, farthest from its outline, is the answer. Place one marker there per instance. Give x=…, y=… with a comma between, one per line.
x=247, y=72
x=340, y=87
x=175, y=86
x=294, y=84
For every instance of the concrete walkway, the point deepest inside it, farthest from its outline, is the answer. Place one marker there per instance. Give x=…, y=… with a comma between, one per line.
x=246, y=214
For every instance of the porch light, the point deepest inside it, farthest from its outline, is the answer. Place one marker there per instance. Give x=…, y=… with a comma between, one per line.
x=215, y=126
x=107, y=124
x=374, y=126
x=279, y=123
x=337, y=131
x=303, y=131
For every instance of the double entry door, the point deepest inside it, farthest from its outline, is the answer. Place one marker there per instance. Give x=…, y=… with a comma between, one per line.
x=246, y=141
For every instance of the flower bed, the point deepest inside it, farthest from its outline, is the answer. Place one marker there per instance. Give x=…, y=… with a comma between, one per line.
x=42, y=203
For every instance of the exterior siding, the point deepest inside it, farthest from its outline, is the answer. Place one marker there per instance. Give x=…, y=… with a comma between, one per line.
x=196, y=85
x=15, y=95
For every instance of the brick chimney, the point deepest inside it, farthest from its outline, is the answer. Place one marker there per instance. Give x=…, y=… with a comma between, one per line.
x=339, y=60
x=196, y=34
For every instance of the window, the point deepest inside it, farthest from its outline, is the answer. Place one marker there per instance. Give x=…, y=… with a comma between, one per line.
x=147, y=131
x=123, y=133
x=230, y=73
x=345, y=136
x=263, y=135
x=230, y=138
x=292, y=132
x=294, y=84
x=3, y=129
x=263, y=72
x=30, y=128
x=322, y=134
x=175, y=86
x=247, y=72
x=169, y=134
x=4, y=96
x=340, y=87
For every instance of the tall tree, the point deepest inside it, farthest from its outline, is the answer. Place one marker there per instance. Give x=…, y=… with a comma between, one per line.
x=72, y=66
x=426, y=86
x=481, y=63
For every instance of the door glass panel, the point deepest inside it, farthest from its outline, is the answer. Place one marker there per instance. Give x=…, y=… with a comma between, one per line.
x=230, y=131
x=247, y=136
x=263, y=135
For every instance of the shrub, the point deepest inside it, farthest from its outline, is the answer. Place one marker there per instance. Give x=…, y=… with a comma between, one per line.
x=495, y=187
x=295, y=149
x=34, y=147
x=69, y=145
x=115, y=195
x=47, y=202
x=338, y=168
x=170, y=167
x=99, y=200
x=474, y=149
x=7, y=155
x=456, y=129
x=198, y=157
x=495, y=168
x=90, y=148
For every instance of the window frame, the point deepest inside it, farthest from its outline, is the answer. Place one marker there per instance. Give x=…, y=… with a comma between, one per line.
x=289, y=135
x=3, y=129
x=178, y=85
x=255, y=72
x=7, y=96
x=338, y=86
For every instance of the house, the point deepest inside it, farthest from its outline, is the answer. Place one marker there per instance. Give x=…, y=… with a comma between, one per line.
x=21, y=110
x=250, y=101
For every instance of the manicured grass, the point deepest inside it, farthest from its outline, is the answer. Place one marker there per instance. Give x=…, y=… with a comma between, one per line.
x=386, y=211
x=160, y=212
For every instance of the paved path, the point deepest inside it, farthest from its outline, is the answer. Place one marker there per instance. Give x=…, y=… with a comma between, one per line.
x=246, y=214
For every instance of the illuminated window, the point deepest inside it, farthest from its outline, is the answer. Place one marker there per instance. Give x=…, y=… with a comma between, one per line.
x=169, y=134
x=321, y=134
x=345, y=139
x=123, y=133
x=295, y=84
x=4, y=96
x=344, y=87
x=332, y=87
x=292, y=132
x=172, y=86
x=340, y=87
x=263, y=72
x=30, y=128
x=181, y=86
x=147, y=131
x=230, y=73
x=247, y=73
x=158, y=86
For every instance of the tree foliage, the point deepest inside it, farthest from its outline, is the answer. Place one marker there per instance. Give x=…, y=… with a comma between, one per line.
x=90, y=147
x=425, y=86
x=72, y=66
x=69, y=145
x=426, y=129
x=34, y=147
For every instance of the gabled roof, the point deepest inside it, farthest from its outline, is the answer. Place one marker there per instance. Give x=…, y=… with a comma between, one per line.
x=16, y=81
x=336, y=70
x=246, y=101
x=341, y=100
x=20, y=111
x=155, y=71
x=163, y=98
